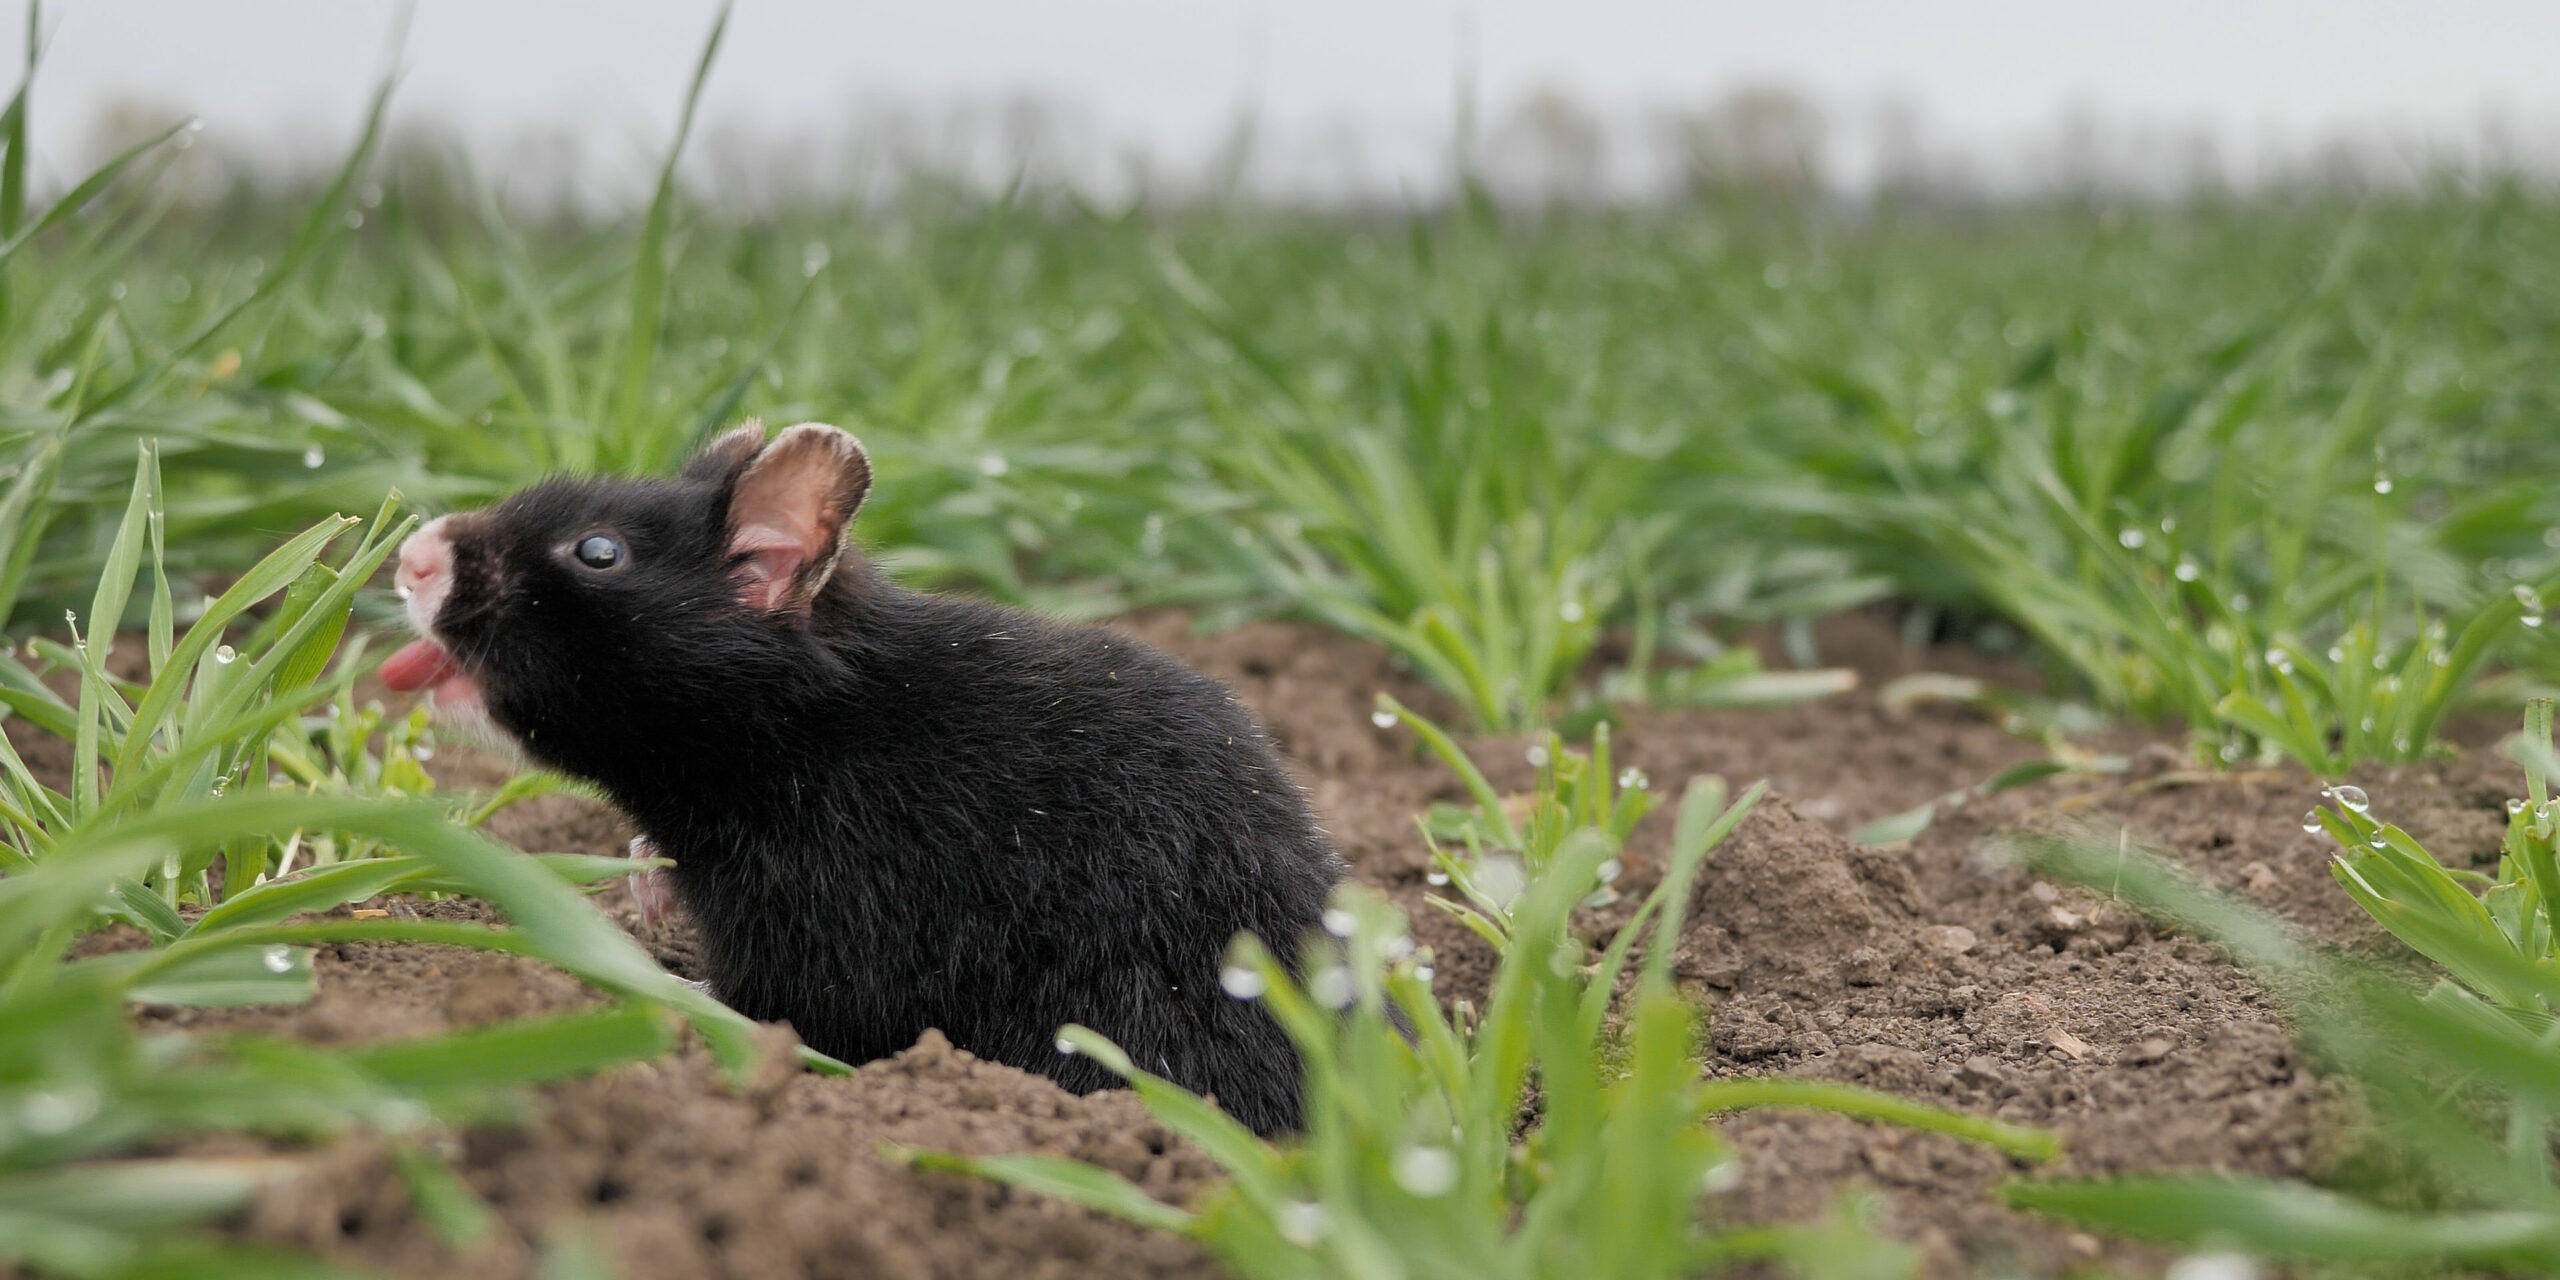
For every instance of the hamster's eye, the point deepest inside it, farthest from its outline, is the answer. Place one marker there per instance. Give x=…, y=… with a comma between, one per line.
x=599, y=551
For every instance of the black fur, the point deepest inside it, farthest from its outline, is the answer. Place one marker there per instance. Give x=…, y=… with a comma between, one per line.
x=904, y=811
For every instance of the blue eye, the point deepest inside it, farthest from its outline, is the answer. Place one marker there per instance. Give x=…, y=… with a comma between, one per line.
x=598, y=551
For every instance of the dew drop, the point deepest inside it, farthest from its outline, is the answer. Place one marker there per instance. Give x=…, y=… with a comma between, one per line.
x=46, y=1112
x=1240, y=982
x=2529, y=598
x=2212, y=1266
x=993, y=464
x=1501, y=878
x=813, y=258
x=1066, y=1047
x=1633, y=779
x=1339, y=922
x=2514, y=807
x=2311, y=822
x=1426, y=1171
x=2132, y=538
x=2439, y=657
x=2230, y=752
x=276, y=960
x=1331, y=987
x=2352, y=799
x=1436, y=879
x=1611, y=870
x=2240, y=603
x=1572, y=611
x=2337, y=653
x=2187, y=570
x=226, y=655
x=2378, y=842
x=1722, y=1178
x=1302, y=1223
x=314, y=456
x=1383, y=719
x=2382, y=482
x=1400, y=946
x=2168, y=524
x=2280, y=660
x=424, y=751
x=2533, y=620
x=1537, y=755
x=1422, y=973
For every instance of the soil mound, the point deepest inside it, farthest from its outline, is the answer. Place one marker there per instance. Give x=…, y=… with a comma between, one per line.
x=681, y=1177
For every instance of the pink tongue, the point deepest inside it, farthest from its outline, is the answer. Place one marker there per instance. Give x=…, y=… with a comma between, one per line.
x=420, y=664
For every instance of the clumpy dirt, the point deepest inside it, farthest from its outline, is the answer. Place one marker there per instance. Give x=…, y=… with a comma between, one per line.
x=680, y=1176
x=1929, y=970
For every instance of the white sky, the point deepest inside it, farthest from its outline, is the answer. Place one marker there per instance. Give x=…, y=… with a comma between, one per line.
x=2263, y=76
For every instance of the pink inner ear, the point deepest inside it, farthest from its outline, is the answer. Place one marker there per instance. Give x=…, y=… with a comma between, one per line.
x=775, y=557
x=788, y=510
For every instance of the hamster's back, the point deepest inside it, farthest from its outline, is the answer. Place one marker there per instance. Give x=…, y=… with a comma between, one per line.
x=997, y=825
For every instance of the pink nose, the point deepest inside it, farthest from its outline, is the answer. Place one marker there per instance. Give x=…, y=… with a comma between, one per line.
x=426, y=559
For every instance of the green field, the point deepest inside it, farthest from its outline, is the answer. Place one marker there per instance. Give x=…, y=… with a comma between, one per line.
x=2279, y=474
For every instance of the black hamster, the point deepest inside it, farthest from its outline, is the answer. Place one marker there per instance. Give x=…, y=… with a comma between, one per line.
x=888, y=810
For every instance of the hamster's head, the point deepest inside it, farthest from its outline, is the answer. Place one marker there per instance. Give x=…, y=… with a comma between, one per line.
x=581, y=614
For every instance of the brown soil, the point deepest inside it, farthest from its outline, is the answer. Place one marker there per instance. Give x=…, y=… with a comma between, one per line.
x=1927, y=970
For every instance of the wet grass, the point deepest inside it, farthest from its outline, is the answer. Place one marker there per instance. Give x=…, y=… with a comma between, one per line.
x=2188, y=457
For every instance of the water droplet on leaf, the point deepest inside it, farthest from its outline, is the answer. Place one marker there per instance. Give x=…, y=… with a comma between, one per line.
x=1302, y=1223
x=1426, y=1171
x=277, y=960
x=1240, y=982
x=1383, y=719
x=1331, y=987
x=1339, y=922
x=1501, y=878
x=2352, y=799
x=226, y=655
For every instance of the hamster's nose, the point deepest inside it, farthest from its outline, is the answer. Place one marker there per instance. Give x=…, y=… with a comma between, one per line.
x=426, y=560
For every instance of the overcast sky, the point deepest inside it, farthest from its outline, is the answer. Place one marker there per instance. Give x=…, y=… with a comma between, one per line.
x=1168, y=75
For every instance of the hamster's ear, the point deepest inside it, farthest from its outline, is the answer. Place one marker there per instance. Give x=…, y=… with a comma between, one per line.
x=725, y=457
x=788, y=511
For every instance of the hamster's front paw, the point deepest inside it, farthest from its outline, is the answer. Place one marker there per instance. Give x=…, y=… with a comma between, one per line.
x=653, y=891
